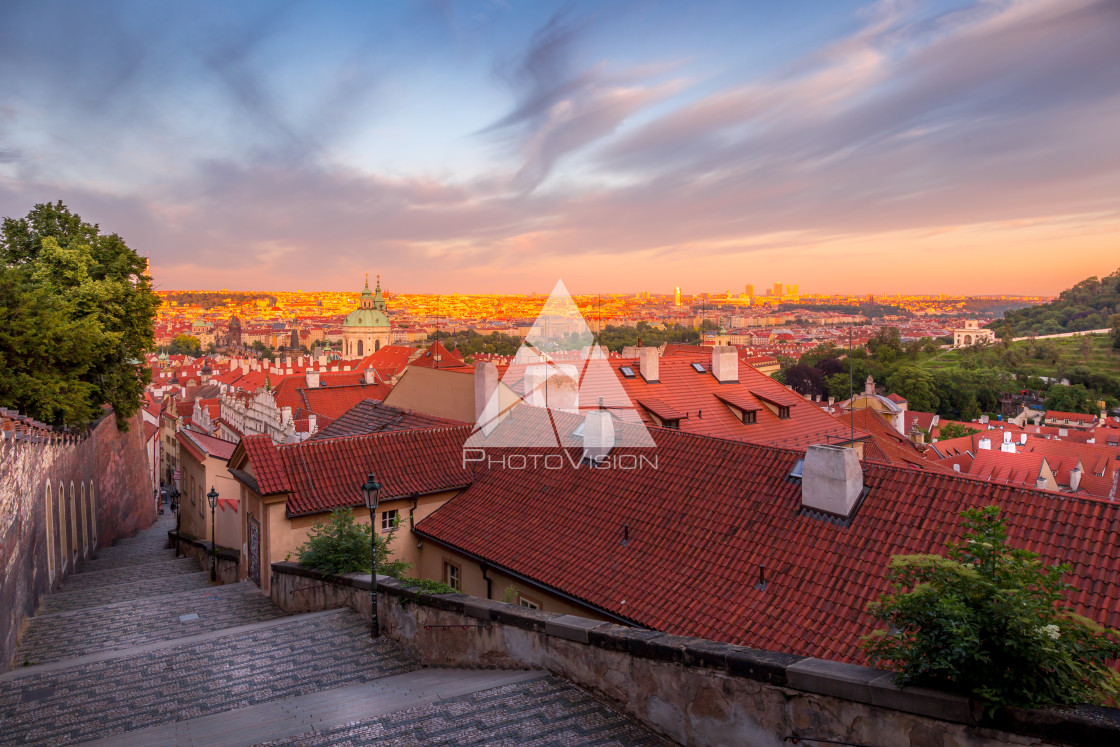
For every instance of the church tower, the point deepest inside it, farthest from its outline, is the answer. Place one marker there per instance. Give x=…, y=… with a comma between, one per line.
x=366, y=329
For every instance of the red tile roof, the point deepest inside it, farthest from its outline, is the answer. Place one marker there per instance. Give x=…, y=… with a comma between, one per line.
x=372, y=416
x=717, y=515
x=887, y=444
x=268, y=469
x=447, y=358
x=322, y=475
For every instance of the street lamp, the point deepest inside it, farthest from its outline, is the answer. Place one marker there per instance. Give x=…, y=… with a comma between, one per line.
x=175, y=507
x=212, y=496
x=372, y=491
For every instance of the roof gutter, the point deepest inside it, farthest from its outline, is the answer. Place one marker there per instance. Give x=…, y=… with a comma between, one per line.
x=490, y=565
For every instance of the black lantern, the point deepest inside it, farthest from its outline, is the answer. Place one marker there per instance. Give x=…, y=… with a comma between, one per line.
x=212, y=497
x=371, y=491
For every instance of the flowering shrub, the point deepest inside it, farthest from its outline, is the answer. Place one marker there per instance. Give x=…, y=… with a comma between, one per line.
x=991, y=621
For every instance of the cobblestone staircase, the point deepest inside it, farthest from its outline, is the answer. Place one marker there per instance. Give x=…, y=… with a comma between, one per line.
x=139, y=648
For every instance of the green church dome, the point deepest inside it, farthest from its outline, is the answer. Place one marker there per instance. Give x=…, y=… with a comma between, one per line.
x=370, y=311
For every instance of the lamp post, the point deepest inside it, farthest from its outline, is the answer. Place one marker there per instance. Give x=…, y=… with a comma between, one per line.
x=175, y=507
x=212, y=496
x=372, y=491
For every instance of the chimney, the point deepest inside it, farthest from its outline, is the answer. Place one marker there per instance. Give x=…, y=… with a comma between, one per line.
x=649, y=365
x=1075, y=478
x=985, y=443
x=535, y=375
x=725, y=364
x=244, y=369
x=598, y=434
x=831, y=401
x=957, y=468
x=312, y=423
x=1022, y=439
x=562, y=388
x=300, y=361
x=312, y=379
x=368, y=376
x=285, y=415
x=486, y=405
x=831, y=479
x=869, y=385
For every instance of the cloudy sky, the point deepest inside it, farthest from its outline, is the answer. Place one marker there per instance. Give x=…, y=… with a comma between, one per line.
x=496, y=145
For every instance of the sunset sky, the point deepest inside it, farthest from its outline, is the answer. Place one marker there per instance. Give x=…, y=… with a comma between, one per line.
x=957, y=147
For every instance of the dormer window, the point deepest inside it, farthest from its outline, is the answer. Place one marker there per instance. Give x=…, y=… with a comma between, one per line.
x=750, y=417
x=783, y=412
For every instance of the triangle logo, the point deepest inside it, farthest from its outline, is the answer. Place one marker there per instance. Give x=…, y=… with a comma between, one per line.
x=559, y=391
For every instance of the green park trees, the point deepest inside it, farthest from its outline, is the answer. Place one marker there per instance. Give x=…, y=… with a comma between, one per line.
x=76, y=313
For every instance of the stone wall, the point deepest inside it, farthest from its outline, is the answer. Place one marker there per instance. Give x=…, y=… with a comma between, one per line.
x=229, y=560
x=688, y=689
x=60, y=499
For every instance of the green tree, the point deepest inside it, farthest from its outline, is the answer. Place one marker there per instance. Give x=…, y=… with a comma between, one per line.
x=101, y=289
x=916, y=385
x=955, y=430
x=185, y=345
x=341, y=545
x=1073, y=398
x=991, y=621
x=1114, y=322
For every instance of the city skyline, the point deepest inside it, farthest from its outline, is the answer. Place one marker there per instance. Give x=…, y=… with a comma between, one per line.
x=867, y=147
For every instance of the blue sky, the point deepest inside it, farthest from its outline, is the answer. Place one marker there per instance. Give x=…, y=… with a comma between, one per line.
x=495, y=146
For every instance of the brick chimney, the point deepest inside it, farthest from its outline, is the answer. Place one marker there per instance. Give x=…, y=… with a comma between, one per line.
x=598, y=434
x=725, y=364
x=486, y=404
x=649, y=365
x=831, y=479
x=312, y=378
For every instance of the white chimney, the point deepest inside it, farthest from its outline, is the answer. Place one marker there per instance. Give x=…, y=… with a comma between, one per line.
x=368, y=376
x=725, y=364
x=649, y=365
x=956, y=468
x=831, y=479
x=831, y=401
x=300, y=361
x=985, y=443
x=285, y=415
x=1075, y=478
x=1022, y=439
x=311, y=423
x=312, y=379
x=535, y=375
x=598, y=434
x=486, y=396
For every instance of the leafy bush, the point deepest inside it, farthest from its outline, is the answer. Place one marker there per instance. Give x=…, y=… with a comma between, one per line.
x=341, y=545
x=428, y=586
x=955, y=430
x=990, y=620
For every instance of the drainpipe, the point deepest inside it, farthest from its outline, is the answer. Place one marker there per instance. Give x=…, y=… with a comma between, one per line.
x=486, y=569
x=411, y=511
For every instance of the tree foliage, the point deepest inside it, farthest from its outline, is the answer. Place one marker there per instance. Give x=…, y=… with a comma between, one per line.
x=77, y=314
x=991, y=621
x=1088, y=305
x=955, y=430
x=341, y=545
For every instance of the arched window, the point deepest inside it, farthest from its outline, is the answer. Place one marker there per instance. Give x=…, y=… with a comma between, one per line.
x=50, y=535
x=376, y=345
x=63, y=539
x=361, y=347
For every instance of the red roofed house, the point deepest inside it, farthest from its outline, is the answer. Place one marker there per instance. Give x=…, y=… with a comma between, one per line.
x=287, y=489
x=1070, y=419
x=204, y=462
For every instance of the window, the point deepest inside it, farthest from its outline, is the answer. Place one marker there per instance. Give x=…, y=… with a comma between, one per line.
x=698, y=367
x=451, y=576
x=627, y=372
x=388, y=520
x=526, y=602
x=750, y=416
x=783, y=412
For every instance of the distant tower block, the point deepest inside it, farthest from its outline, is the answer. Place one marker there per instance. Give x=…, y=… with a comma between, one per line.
x=777, y=289
x=677, y=296
x=750, y=291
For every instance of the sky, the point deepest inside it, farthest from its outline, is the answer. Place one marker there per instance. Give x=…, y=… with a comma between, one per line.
x=498, y=145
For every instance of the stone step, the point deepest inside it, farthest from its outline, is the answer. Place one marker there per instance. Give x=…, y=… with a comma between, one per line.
x=129, y=574
x=98, y=699
x=50, y=638
x=64, y=601
x=105, y=561
x=326, y=709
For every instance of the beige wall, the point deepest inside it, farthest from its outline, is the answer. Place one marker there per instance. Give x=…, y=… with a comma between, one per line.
x=446, y=394
x=196, y=480
x=281, y=536
x=433, y=561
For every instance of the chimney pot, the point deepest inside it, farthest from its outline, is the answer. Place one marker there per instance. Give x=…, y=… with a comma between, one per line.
x=598, y=434
x=649, y=365
x=1075, y=478
x=831, y=479
x=725, y=364
x=985, y=443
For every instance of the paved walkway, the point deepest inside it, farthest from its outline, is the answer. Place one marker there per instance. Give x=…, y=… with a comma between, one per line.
x=139, y=648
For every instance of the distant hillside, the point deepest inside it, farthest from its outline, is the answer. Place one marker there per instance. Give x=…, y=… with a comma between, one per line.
x=1087, y=305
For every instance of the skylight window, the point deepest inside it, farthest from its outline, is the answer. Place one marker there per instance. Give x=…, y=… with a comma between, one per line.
x=627, y=372
x=698, y=367
x=796, y=471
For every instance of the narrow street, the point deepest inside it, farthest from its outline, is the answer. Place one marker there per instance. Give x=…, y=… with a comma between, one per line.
x=139, y=648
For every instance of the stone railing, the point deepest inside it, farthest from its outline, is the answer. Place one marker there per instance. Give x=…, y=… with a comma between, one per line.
x=690, y=690
x=229, y=560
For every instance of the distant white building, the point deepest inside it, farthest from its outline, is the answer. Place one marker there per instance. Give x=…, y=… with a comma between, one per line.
x=972, y=335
